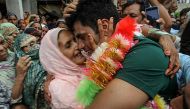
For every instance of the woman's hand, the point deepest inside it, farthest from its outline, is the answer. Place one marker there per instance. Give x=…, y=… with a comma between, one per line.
x=22, y=66
x=21, y=69
x=47, y=94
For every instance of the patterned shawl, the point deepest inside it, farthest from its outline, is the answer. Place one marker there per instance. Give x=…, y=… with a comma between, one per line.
x=7, y=78
x=7, y=29
x=35, y=75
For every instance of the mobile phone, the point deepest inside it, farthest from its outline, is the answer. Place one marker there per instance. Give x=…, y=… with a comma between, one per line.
x=152, y=14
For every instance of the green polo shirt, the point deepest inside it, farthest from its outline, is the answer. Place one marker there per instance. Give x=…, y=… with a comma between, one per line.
x=144, y=67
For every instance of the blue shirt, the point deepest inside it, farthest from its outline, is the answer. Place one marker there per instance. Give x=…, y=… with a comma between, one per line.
x=183, y=74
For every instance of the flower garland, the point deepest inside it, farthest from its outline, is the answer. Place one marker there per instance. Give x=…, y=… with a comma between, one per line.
x=106, y=61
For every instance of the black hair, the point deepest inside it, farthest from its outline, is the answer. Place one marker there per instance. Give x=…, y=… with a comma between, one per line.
x=11, y=14
x=32, y=31
x=131, y=2
x=1, y=16
x=184, y=11
x=185, y=40
x=89, y=11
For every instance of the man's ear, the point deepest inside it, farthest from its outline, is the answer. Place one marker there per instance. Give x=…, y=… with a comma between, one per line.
x=105, y=24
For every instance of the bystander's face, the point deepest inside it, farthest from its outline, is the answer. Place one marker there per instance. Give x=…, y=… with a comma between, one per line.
x=12, y=19
x=30, y=43
x=134, y=12
x=22, y=24
x=37, y=18
x=173, y=7
x=61, y=25
x=3, y=50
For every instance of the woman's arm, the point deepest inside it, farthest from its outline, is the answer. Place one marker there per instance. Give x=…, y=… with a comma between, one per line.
x=21, y=69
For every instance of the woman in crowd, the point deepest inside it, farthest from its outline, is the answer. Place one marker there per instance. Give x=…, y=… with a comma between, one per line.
x=38, y=27
x=11, y=79
x=12, y=18
x=34, y=18
x=21, y=25
x=33, y=98
x=44, y=30
x=61, y=57
x=9, y=31
x=61, y=23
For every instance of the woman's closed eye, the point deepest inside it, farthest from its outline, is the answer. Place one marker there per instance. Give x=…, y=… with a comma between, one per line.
x=68, y=44
x=32, y=43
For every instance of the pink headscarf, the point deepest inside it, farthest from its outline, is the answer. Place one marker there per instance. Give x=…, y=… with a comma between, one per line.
x=67, y=74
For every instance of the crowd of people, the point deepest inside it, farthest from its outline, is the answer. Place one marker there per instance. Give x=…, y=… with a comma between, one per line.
x=43, y=60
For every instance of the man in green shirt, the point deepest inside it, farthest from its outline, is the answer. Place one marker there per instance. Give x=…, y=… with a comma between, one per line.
x=143, y=74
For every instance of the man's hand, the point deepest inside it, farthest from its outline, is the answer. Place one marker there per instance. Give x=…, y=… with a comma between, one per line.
x=70, y=8
x=104, y=33
x=170, y=50
x=22, y=66
x=162, y=23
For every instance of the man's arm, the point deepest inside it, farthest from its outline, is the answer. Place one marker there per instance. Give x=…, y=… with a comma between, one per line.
x=119, y=95
x=166, y=41
x=163, y=14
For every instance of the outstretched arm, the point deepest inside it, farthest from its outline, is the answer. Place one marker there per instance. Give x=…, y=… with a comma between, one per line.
x=163, y=14
x=119, y=95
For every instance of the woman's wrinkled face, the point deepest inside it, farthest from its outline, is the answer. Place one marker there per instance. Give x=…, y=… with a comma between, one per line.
x=3, y=50
x=11, y=38
x=69, y=47
x=29, y=43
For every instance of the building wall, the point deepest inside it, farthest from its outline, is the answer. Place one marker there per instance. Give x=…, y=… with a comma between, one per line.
x=15, y=6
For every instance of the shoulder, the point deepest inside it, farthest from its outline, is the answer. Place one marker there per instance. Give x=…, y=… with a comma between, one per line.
x=144, y=67
x=148, y=53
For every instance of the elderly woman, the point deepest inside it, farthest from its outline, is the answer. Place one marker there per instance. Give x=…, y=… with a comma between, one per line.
x=33, y=98
x=9, y=31
x=11, y=79
x=60, y=55
x=38, y=27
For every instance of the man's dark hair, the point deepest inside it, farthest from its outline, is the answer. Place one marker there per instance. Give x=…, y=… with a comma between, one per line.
x=1, y=16
x=184, y=11
x=89, y=11
x=185, y=40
